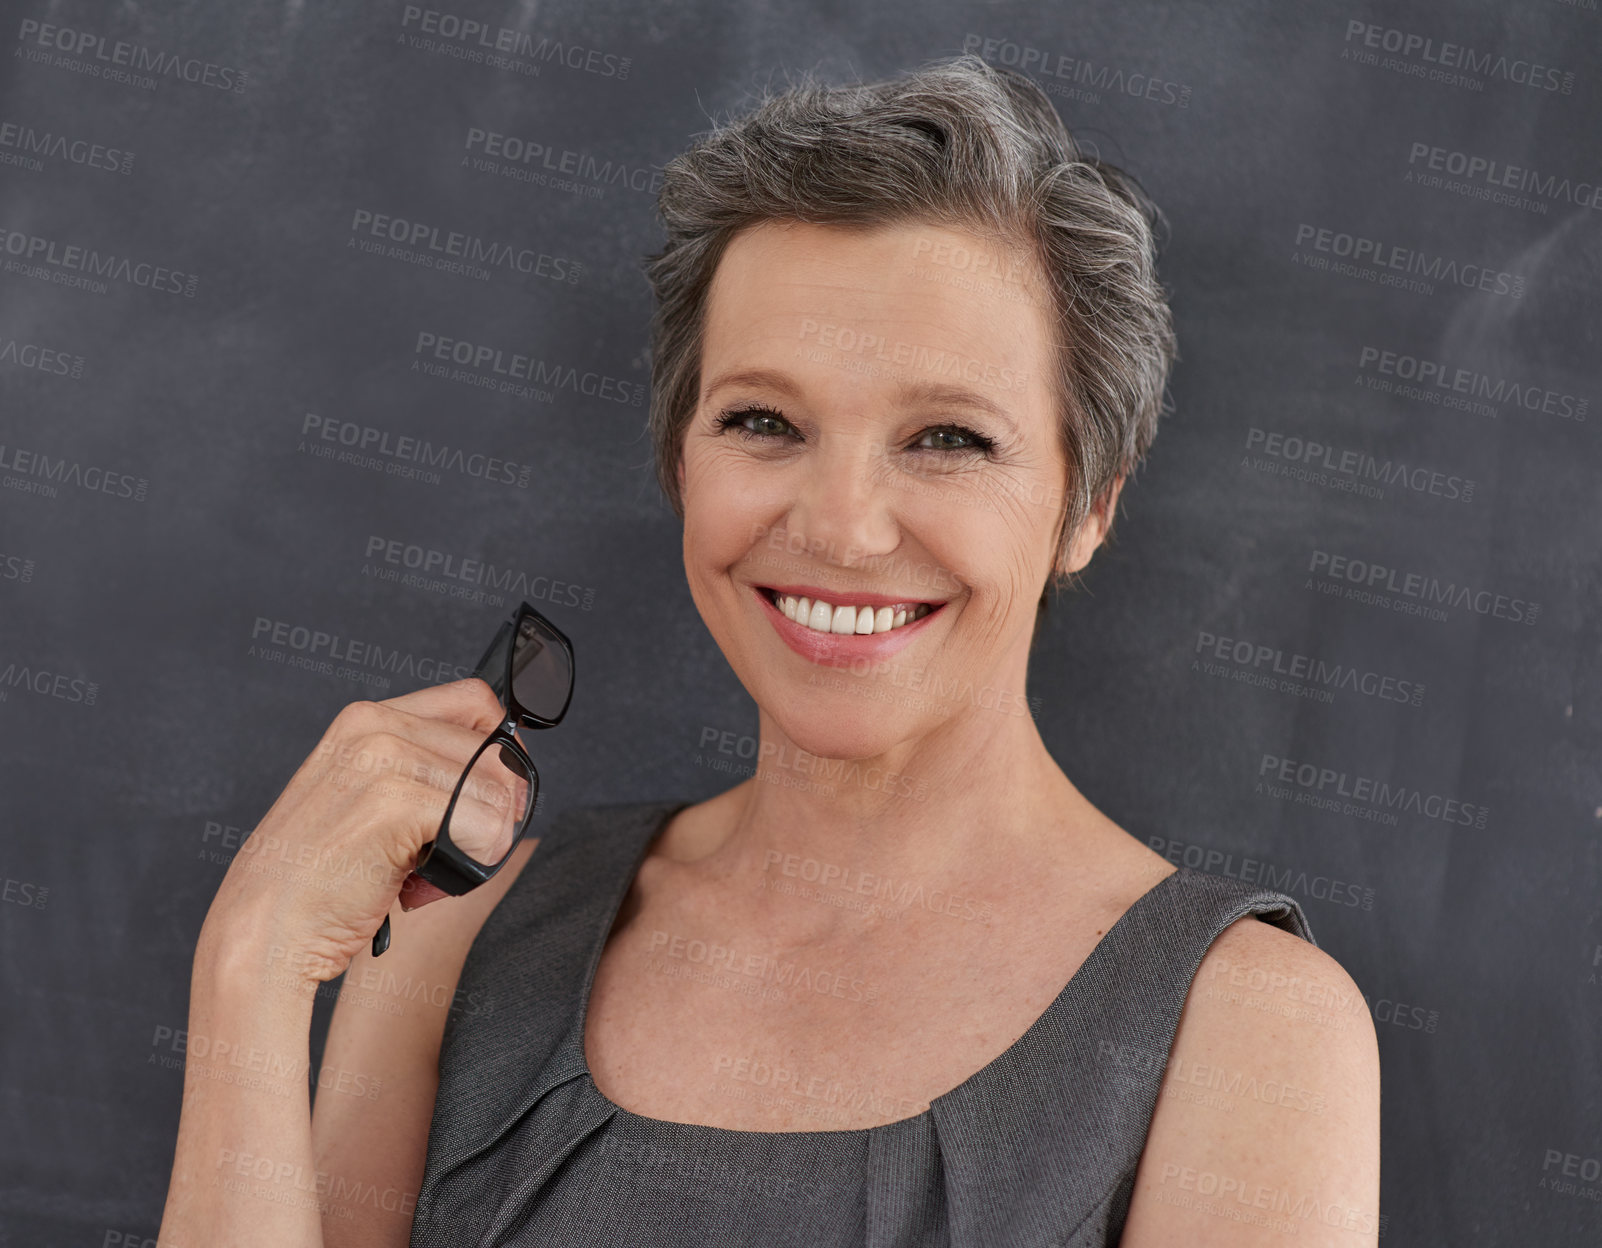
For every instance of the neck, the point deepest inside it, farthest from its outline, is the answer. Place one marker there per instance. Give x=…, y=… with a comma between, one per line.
x=963, y=812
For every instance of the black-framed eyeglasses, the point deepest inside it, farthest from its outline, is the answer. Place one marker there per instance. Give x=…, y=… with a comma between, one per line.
x=530, y=667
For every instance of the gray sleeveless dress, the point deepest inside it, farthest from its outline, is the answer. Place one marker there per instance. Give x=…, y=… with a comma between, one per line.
x=1039, y=1148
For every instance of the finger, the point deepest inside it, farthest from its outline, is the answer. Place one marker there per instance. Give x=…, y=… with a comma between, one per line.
x=414, y=785
x=470, y=703
x=411, y=751
x=446, y=738
x=490, y=807
x=449, y=720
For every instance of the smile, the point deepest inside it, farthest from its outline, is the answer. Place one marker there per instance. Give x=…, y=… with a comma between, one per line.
x=859, y=625
x=847, y=619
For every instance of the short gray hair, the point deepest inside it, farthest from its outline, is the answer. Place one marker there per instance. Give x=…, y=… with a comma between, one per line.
x=957, y=142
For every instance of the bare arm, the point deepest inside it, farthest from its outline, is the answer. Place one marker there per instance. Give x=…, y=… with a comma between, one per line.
x=1268, y=1120
x=299, y=902
x=380, y=1072
x=243, y=1171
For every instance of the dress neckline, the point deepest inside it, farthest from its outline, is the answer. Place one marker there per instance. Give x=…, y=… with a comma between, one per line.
x=659, y=817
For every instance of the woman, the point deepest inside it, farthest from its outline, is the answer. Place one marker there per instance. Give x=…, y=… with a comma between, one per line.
x=905, y=985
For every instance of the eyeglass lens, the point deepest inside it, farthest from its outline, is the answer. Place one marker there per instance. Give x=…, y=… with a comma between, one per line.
x=542, y=676
x=490, y=808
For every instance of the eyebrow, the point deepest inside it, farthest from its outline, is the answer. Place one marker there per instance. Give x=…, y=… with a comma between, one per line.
x=940, y=393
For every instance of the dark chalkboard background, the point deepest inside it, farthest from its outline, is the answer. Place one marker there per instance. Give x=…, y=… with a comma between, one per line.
x=160, y=497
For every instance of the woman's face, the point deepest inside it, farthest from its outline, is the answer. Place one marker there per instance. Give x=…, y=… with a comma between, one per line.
x=875, y=432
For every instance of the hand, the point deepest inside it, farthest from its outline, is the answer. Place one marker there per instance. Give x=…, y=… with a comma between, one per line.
x=320, y=872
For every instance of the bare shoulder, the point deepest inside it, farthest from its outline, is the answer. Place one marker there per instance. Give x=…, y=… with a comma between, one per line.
x=1268, y=1117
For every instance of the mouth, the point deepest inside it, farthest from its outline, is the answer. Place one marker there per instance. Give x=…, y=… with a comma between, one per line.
x=845, y=628
x=846, y=615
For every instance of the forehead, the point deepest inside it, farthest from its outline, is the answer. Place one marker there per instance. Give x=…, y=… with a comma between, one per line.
x=895, y=303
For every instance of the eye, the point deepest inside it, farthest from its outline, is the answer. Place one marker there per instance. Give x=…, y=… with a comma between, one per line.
x=956, y=438
x=758, y=421
x=762, y=417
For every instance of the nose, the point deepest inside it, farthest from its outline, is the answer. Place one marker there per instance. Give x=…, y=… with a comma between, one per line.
x=843, y=508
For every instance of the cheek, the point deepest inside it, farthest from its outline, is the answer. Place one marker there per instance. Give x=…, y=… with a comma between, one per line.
x=995, y=541
x=724, y=513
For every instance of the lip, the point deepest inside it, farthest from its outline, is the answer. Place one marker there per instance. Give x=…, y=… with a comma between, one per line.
x=841, y=649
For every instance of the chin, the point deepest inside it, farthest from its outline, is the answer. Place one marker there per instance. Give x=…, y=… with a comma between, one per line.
x=836, y=716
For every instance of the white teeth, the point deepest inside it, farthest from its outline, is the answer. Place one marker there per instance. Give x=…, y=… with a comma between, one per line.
x=824, y=617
